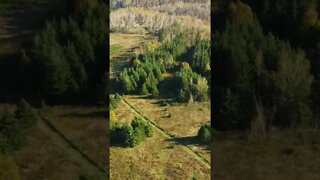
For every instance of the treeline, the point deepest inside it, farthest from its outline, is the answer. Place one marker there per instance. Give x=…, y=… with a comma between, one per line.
x=198, y=10
x=133, y=19
x=260, y=80
x=68, y=58
x=190, y=82
x=115, y=4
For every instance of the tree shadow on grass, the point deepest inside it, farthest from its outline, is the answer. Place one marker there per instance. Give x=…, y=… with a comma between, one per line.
x=188, y=141
x=118, y=145
x=167, y=102
x=143, y=97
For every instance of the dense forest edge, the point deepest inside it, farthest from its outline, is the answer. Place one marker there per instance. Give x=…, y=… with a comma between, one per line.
x=265, y=72
x=57, y=57
x=265, y=116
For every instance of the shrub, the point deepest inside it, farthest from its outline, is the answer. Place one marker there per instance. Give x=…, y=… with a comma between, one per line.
x=114, y=101
x=26, y=115
x=113, y=116
x=204, y=134
x=148, y=130
x=130, y=135
x=193, y=87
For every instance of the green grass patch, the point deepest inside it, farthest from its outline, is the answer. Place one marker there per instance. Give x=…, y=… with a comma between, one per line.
x=115, y=49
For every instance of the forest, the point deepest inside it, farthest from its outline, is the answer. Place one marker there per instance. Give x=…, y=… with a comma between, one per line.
x=53, y=54
x=266, y=84
x=185, y=57
x=67, y=59
x=258, y=64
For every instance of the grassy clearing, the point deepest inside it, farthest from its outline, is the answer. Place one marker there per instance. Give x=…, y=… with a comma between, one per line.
x=122, y=47
x=115, y=50
x=182, y=116
x=128, y=41
x=184, y=121
x=122, y=113
x=290, y=154
x=156, y=158
x=84, y=126
x=44, y=157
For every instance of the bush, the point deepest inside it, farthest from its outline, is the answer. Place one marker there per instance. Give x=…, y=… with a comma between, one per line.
x=148, y=130
x=130, y=135
x=114, y=101
x=204, y=134
x=192, y=86
x=12, y=135
x=26, y=115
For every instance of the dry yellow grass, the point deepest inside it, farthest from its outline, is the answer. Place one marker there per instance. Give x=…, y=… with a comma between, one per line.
x=184, y=122
x=85, y=126
x=122, y=113
x=122, y=47
x=43, y=157
x=289, y=154
x=155, y=158
x=127, y=41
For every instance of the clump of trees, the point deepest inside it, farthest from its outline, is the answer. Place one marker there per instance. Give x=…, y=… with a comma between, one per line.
x=204, y=133
x=201, y=56
x=146, y=72
x=114, y=101
x=13, y=127
x=130, y=135
x=142, y=79
x=67, y=58
x=250, y=64
x=192, y=86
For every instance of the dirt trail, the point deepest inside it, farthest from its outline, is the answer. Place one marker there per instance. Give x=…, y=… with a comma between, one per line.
x=198, y=156
x=70, y=148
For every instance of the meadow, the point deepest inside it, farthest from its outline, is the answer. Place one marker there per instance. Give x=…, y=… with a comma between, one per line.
x=156, y=158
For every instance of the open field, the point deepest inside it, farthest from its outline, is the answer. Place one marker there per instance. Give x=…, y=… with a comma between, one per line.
x=85, y=126
x=156, y=158
x=47, y=156
x=291, y=154
x=75, y=146
x=122, y=47
x=184, y=121
x=173, y=152
x=182, y=116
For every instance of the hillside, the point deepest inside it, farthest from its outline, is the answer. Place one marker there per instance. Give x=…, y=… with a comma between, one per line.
x=155, y=113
